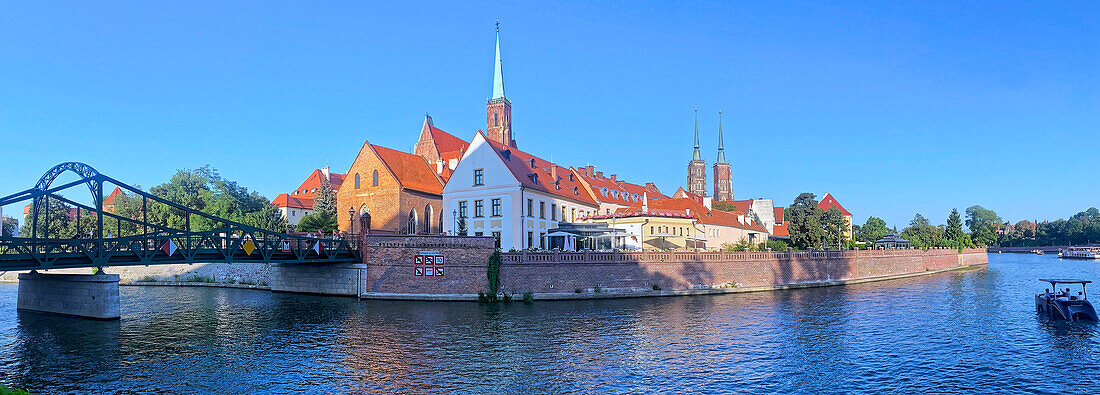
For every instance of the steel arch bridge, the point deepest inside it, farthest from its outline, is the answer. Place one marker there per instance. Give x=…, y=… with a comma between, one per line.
x=152, y=244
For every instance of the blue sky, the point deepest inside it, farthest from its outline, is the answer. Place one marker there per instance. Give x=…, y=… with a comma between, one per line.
x=894, y=108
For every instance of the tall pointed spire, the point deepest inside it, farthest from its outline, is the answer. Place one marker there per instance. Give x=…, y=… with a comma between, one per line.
x=498, y=75
x=696, y=155
x=721, y=148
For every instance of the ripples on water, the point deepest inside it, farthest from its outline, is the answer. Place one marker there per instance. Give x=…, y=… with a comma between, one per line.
x=971, y=331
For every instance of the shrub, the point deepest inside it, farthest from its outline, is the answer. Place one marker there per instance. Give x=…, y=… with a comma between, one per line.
x=528, y=297
x=656, y=287
x=597, y=289
x=147, y=279
x=246, y=282
x=507, y=298
x=576, y=290
x=493, y=275
x=198, y=279
x=4, y=390
x=482, y=298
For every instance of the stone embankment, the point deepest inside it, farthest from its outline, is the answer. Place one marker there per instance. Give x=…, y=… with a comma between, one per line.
x=234, y=274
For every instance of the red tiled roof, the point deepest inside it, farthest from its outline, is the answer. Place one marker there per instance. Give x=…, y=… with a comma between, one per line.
x=742, y=206
x=411, y=171
x=314, y=182
x=110, y=199
x=539, y=177
x=681, y=193
x=778, y=214
x=700, y=212
x=829, y=201
x=445, y=142
x=285, y=200
x=780, y=230
x=615, y=191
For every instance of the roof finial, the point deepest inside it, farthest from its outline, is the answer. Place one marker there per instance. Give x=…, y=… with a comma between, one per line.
x=721, y=148
x=695, y=156
x=498, y=25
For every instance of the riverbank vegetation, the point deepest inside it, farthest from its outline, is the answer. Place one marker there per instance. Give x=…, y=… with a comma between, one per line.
x=1081, y=228
x=202, y=189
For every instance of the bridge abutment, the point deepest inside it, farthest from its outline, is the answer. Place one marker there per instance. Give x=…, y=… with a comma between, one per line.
x=320, y=279
x=80, y=295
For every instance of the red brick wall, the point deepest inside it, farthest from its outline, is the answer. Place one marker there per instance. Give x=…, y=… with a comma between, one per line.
x=388, y=203
x=390, y=263
x=390, y=268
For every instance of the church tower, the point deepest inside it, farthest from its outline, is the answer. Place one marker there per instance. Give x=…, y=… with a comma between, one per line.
x=723, y=179
x=697, y=169
x=498, y=111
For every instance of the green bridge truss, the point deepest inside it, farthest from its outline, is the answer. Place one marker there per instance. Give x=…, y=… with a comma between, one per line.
x=154, y=244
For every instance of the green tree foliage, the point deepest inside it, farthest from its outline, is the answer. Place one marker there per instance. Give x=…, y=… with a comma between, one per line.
x=983, y=224
x=326, y=199
x=53, y=222
x=203, y=189
x=774, y=245
x=833, y=222
x=804, y=220
x=921, y=234
x=739, y=246
x=1081, y=228
x=871, y=230
x=317, y=222
x=723, y=206
x=953, y=232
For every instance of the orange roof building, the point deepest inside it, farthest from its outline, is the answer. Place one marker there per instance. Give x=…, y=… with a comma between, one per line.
x=299, y=202
x=828, y=202
x=390, y=191
x=440, y=149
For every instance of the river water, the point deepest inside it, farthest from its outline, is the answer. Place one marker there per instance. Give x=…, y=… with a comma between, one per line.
x=967, y=331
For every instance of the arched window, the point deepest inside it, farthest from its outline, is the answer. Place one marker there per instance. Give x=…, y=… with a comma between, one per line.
x=496, y=122
x=428, y=219
x=376, y=178
x=411, y=228
x=356, y=180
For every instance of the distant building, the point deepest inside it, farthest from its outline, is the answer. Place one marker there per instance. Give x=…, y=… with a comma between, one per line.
x=827, y=202
x=723, y=175
x=391, y=190
x=440, y=149
x=779, y=229
x=613, y=193
x=299, y=203
x=697, y=168
x=709, y=228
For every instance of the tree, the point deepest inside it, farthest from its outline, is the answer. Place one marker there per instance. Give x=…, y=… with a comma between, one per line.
x=326, y=199
x=954, y=232
x=804, y=220
x=774, y=245
x=204, y=190
x=872, y=230
x=741, y=245
x=317, y=222
x=53, y=221
x=923, y=235
x=833, y=223
x=983, y=224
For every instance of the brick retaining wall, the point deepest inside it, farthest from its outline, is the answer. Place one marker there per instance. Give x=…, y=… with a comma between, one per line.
x=390, y=268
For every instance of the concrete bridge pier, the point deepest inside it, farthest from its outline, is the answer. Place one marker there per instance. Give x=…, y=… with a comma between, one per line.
x=343, y=279
x=79, y=295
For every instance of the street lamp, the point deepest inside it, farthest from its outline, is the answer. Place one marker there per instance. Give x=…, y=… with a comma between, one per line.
x=454, y=221
x=351, y=221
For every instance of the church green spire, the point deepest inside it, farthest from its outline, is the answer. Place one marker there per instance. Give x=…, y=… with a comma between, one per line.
x=696, y=155
x=721, y=149
x=498, y=75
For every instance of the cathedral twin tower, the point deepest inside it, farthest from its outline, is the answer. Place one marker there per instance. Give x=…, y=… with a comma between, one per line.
x=697, y=169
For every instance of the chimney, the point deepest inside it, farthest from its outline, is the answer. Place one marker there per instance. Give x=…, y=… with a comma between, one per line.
x=614, y=178
x=649, y=185
x=553, y=173
x=453, y=164
x=645, y=202
x=439, y=167
x=599, y=174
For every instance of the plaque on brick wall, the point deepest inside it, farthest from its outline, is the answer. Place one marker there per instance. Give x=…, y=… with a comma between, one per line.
x=428, y=264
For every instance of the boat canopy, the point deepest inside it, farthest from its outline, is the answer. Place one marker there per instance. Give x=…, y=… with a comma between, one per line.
x=1064, y=281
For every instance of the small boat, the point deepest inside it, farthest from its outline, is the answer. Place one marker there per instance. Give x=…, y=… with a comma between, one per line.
x=1038, y=252
x=1080, y=253
x=1063, y=305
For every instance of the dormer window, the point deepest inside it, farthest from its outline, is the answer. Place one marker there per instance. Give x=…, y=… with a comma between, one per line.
x=507, y=154
x=575, y=191
x=534, y=177
x=571, y=177
x=533, y=163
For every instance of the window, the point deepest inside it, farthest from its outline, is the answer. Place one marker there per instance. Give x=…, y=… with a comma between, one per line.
x=411, y=228
x=573, y=214
x=607, y=211
x=542, y=210
x=427, y=219
x=542, y=240
x=479, y=177
x=530, y=238
x=531, y=208
x=479, y=233
x=356, y=180
x=496, y=207
x=462, y=209
x=553, y=211
x=496, y=121
x=650, y=230
x=496, y=235
x=479, y=208
x=375, y=178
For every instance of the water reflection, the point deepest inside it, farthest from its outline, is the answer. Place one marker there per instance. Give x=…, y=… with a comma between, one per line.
x=965, y=331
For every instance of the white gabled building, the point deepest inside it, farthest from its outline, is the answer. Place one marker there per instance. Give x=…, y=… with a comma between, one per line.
x=503, y=192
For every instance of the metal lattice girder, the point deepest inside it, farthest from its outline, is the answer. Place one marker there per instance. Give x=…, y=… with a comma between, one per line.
x=158, y=244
